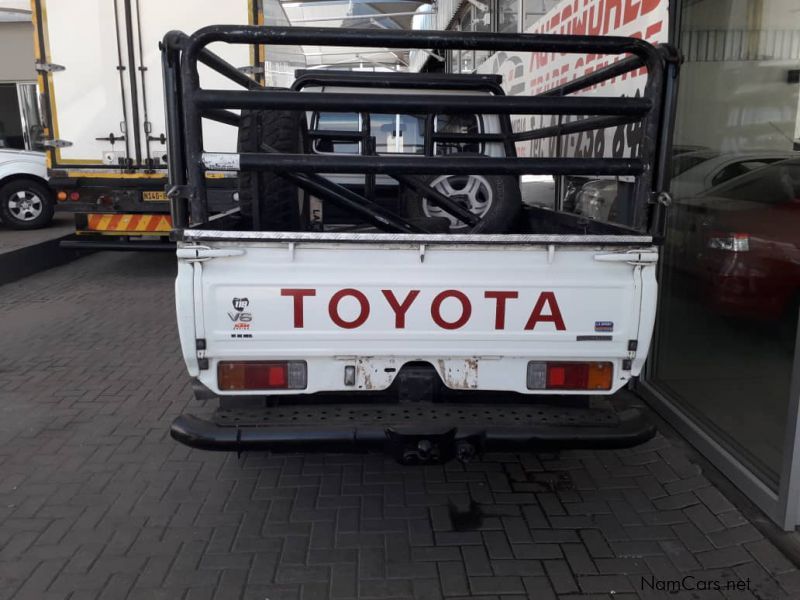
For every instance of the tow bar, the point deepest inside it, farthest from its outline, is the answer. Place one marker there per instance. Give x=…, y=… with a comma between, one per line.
x=427, y=449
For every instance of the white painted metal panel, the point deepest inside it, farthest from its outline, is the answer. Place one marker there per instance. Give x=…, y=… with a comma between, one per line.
x=565, y=303
x=88, y=102
x=157, y=18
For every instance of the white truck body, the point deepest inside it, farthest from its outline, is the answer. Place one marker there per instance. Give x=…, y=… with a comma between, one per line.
x=99, y=59
x=566, y=298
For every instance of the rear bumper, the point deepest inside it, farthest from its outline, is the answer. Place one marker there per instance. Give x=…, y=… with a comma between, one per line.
x=443, y=428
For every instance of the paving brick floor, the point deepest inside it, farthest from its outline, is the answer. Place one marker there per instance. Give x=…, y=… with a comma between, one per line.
x=96, y=501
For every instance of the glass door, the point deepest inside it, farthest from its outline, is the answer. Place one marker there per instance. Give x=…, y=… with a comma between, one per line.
x=730, y=285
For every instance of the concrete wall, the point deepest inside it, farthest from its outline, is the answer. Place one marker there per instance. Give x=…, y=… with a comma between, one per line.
x=16, y=52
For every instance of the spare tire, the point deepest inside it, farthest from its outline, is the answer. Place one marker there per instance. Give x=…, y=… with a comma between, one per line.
x=495, y=199
x=278, y=199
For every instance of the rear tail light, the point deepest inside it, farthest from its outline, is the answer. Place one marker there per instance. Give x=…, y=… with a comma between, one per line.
x=74, y=196
x=732, y=242
x=261, y=375
x=569, y=375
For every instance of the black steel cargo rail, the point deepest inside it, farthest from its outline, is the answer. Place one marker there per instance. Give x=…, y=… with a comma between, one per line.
x=188, y=104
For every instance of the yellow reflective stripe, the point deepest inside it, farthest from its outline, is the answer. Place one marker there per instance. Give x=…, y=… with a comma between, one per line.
x=104, y=222
x=143, y=223
x=124, y=222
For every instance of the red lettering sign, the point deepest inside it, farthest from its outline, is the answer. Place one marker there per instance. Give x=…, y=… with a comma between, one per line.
x=298, y=295
x=400, y=309
x=466, y=309
x=546, y=309
x=500, y=306
x=333, y=308
x=548, y=298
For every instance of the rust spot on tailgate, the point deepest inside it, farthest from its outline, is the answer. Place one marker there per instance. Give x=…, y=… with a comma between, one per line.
x=459, y=374
x=374, y=373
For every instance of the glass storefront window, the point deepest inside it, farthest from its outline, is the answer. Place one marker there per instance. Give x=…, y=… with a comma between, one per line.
x=730, y=284
x=467, y=61
x=507, y=16
x=468, y=23
x=481, y=21
x=452, y=61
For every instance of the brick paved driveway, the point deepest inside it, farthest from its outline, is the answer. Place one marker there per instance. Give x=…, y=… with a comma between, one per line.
x=96, y=501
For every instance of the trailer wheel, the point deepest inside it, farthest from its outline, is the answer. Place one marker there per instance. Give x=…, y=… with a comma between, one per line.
x=494, y=198
x=278, y=199
x=26, y=204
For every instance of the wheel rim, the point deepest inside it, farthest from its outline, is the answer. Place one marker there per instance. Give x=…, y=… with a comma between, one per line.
x=472, y=192
x=25, y=205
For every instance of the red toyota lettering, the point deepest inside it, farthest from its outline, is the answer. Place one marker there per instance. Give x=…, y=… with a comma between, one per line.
x=500, y=299
x=436, y=305
x=548, y=298
x=400, y=309
x=298, y=295
x=333, y=308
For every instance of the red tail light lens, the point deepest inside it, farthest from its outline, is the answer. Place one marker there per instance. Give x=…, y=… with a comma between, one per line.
x=261, y=375
x=74, y=196
x=570, y=375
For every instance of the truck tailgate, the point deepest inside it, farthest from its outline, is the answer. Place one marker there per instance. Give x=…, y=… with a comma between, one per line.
x=477, y=313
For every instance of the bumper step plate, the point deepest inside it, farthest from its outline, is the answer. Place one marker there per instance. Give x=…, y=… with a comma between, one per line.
x=414, y=434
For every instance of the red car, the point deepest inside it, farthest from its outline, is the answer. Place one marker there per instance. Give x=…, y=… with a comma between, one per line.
x=749, y=232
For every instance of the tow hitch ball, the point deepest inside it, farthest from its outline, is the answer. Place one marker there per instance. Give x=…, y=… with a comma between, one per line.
x=417, y=449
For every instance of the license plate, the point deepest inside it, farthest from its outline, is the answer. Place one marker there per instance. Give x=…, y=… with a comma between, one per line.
x=154, y=196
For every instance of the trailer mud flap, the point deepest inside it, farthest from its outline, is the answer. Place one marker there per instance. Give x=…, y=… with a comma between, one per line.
x=416, y=435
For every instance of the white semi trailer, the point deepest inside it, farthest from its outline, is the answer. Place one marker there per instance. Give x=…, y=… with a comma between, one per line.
x=100, y=79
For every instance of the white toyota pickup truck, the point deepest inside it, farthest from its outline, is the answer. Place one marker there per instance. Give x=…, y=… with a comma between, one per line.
x=381, y=285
